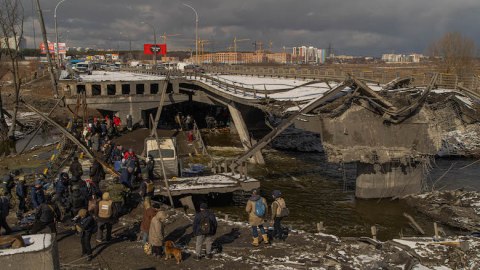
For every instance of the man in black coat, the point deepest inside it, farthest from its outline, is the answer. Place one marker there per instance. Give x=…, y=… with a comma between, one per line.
x=97, y=173
x=86, y=226
x=76, y=169
x=77, y=200
x=46, y=216
x=204, y=228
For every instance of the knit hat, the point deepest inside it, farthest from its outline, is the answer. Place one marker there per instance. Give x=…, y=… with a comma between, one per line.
x=203, y=206
x=276, y=193
x=106, y=196
x=82, y=213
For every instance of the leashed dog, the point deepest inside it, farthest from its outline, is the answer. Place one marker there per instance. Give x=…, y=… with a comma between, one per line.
x=170, y=250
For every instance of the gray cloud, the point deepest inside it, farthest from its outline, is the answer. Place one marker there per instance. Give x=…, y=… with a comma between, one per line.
x=359, y=27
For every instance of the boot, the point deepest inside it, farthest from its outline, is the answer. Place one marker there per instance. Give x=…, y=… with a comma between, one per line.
x=255, y=242
x=265, y=238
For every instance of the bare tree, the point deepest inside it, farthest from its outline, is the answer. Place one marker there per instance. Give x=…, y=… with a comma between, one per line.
x=11, y=26
x=455, y=53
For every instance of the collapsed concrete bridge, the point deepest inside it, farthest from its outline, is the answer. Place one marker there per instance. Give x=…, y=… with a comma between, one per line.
x=390, y=131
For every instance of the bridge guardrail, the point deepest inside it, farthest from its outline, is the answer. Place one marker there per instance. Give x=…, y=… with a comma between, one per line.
x=451, y=81
x=236, y=87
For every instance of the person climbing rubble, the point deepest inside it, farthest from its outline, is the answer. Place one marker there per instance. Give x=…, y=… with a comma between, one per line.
x=257, y=210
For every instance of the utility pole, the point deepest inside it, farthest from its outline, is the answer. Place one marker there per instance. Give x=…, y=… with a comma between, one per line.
x=49, y=59
x=33, y=26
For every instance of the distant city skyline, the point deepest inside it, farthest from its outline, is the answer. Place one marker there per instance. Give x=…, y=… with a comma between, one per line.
x=367, y=27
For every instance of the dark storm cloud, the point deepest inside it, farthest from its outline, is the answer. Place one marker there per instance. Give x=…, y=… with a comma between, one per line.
x=368, y=27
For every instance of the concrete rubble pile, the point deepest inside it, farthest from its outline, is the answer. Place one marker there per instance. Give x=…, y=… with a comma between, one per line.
x=458, y=209
x=322, y=251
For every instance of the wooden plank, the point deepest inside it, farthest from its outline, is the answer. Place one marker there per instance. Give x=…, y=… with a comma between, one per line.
x=414, y=223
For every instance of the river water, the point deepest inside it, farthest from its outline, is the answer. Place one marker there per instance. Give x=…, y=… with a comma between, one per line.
x=313, y=195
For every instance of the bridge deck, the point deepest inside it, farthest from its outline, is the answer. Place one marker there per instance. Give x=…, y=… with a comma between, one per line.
x=218, y=183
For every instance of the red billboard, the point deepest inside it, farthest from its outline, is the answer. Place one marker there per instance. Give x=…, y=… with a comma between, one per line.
x=158, y=49
x=62, y=48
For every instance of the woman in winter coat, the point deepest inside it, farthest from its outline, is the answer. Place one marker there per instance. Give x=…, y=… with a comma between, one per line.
x=256, y=221
x=148, y=213
x=156, y=233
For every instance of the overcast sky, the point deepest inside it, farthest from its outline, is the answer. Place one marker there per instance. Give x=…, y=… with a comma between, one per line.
x=357, y=27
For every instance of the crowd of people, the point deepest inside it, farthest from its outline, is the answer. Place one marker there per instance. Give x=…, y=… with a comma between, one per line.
x=93, y=211
x=89, y=207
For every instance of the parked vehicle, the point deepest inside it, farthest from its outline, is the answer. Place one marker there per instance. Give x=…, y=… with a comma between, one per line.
x=169, y=154
x=83, y=67
x=194, y=68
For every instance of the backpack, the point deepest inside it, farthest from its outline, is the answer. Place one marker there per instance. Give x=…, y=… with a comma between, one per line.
x=260, y=208
x=105, y=209
x=282, y=210
x=204, y=225
x=150, y=187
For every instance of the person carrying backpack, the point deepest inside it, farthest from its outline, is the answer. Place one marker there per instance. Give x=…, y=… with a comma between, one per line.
x=86, y=226
x=279, y=211
x=204, y=228
x=105, y=216
x=257, y=210
x=47, y=215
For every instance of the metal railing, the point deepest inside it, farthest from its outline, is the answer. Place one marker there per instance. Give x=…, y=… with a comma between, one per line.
x=315, y=75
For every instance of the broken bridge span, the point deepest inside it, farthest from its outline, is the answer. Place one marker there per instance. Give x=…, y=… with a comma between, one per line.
x=389, y=130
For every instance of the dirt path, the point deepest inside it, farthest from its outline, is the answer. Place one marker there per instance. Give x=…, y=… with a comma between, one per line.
x=233, y=250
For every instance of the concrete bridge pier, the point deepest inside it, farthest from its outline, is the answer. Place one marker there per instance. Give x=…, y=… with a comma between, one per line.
x=243, y=133
x=388, y=180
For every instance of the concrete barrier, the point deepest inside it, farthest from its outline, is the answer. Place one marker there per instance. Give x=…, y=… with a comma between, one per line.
x=41, y=253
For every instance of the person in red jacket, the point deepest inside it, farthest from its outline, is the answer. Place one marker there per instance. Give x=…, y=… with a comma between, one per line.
x=116, y=121
x=129, y=154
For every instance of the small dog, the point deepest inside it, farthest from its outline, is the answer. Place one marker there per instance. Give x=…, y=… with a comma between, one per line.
x=170, y=250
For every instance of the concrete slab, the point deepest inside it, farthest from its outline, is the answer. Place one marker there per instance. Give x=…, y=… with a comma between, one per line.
x=40, y=253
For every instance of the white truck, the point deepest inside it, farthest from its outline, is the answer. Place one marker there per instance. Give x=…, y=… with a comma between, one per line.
x=83, y=67
x=169, y=155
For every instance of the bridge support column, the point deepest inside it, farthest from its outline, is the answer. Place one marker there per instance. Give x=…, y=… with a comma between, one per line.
x=118, y=88
x=243, y=133
x=176, y=86
x=103, y=89
x=88, y=89
x=388, y=180
x=148, y=88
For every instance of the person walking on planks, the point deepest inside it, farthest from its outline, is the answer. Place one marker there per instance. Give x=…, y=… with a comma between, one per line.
x=257, y=210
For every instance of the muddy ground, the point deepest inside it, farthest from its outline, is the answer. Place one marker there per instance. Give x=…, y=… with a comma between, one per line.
x=233, y=250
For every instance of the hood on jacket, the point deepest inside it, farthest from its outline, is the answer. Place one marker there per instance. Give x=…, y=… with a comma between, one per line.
x=161, y=216
x=255, y=197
